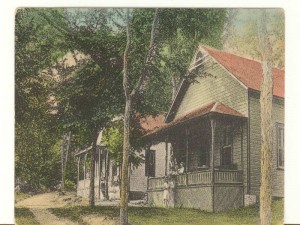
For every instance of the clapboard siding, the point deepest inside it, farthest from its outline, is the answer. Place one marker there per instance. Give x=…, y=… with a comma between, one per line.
x=255, y=145
x=219, y=86
x=138, y=180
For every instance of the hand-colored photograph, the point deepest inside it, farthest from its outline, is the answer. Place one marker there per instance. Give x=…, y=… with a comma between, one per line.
x=155, y=116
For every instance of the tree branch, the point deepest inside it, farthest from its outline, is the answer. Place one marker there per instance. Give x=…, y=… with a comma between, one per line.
x=126, y=53
x=151, y=53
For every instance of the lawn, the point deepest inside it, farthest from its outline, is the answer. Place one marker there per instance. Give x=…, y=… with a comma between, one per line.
x=157, y=216
x=20, y=196
x=25, y=217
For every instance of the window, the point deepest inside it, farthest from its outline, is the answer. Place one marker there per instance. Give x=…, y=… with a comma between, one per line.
x=226, y=150
x=280, y=145
x=150, y=163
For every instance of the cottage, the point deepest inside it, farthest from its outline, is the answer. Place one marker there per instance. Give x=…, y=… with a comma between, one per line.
x=107, y=173
x=213, y=127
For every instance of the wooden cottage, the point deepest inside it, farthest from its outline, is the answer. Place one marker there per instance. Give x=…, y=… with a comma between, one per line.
x=107, y=173
x=213, y=127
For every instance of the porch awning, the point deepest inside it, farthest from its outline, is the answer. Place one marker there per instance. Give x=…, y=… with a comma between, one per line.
x=212, y=107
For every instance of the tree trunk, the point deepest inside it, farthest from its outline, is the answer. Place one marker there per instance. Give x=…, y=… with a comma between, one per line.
x=107, y=165
x=130, y=100
x=174, y=87
x=266, y=96
x=125, y=163
x=62, y=188
x=92, y=169
x=65, y=145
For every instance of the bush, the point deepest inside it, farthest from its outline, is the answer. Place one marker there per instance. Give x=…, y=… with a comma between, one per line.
x=70, y=185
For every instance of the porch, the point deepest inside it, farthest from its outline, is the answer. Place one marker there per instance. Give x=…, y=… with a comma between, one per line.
x=211, y=191
x=209, y=143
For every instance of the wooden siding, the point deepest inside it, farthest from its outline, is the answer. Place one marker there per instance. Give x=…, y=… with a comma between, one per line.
x=255, y=145
x=227, y=197
x=218, y=86
x=138, y=180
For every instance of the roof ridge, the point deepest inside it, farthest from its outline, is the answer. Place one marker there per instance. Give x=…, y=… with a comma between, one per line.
x=236, y=55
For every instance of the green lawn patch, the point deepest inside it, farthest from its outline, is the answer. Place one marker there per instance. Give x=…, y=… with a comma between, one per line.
x=24, y=216
x=163, y=216
x=77, y=212
x=20, y=196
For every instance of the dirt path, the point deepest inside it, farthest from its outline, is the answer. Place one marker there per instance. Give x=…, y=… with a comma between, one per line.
x=44, y=217
x=39, y=204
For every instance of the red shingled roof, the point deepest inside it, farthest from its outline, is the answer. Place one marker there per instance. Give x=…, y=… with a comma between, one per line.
x=211, y=107
x=247, y=71
x=150, y=123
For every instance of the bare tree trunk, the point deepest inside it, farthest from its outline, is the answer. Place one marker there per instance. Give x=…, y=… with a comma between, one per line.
x=174, y=87
x=65, y=146
x=92, y=169
x=62, y=188
x=130, y=98
x=266, y=96
x=107, y=165
x=125, y=163
x=67, y=153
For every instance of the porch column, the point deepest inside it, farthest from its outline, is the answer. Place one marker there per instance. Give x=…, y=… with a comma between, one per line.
x=84, y=167
x=99, y=174
x=213, y=128
x=166, y=157
x=187, y=150
x=78, y=169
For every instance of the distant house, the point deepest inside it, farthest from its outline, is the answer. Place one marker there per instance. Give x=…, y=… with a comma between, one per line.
x=213, y=128
x=107, y=173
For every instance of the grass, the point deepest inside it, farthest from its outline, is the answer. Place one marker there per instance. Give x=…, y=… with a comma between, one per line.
x=77, y=212
x=20, y=196
x=157, y=216
x=24, y=216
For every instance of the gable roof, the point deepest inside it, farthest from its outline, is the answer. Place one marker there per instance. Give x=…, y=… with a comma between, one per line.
x=212, y=107
x=247, y=71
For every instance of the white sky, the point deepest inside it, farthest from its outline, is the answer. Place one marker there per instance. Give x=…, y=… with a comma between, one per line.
x=292, y=9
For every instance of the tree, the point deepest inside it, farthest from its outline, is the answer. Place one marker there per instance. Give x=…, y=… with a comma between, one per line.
x=191, y=25
x=130, y=96
x=266, y=96
x=240, y=37
x=37, y=46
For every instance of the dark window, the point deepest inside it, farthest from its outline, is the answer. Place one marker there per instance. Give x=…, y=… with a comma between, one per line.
x=226, y=150
x=150, y=163
x=280, y=145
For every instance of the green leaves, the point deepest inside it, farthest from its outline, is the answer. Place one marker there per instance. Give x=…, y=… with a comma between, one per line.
x=113, y=137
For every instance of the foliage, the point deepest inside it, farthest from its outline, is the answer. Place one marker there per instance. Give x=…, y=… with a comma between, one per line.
x=70, y=185
x=37, y=46
x=113, y=137
x=242, y=38
x=37, y=158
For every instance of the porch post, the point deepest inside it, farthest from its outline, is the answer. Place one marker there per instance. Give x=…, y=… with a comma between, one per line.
x=78, y=169
x=187, y=156
x=213, y=127
x=166, y=157
x=84, y=167
x=99, y=172
x=187, y=150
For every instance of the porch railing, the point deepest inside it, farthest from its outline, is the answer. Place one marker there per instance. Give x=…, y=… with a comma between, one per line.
x=199, y=178
x=228, y=176
x=156, y=183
